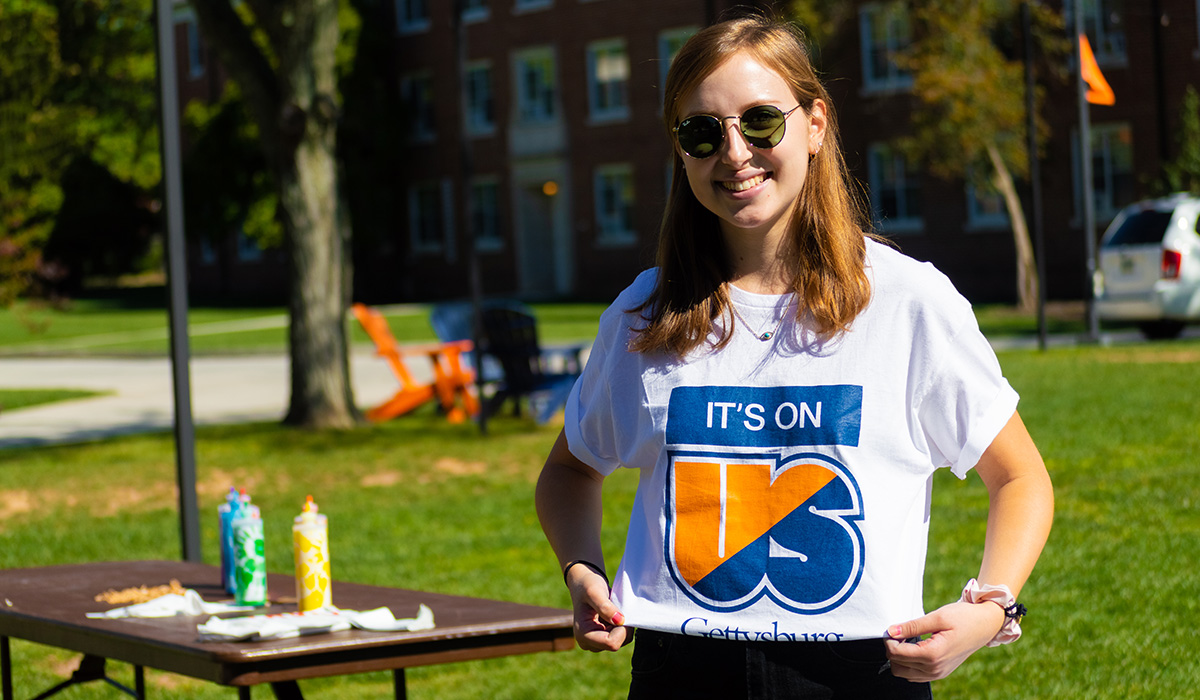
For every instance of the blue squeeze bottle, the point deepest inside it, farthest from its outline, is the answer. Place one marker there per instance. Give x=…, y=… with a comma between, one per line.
x=226, y=513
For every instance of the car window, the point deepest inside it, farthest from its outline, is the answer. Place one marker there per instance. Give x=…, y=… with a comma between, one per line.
x=1140, y=228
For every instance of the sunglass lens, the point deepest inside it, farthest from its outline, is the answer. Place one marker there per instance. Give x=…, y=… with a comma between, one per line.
x=763, y=126
x=699, y=136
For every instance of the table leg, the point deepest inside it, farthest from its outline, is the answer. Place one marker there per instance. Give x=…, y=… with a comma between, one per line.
x=5, y=670
x=243, y=692
x=287, y=690
x=401, y=684
x=139, y=682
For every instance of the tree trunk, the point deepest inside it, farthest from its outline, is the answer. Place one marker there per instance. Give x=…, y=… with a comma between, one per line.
x=292, y=101
x=1027, y=279
x=320, y=388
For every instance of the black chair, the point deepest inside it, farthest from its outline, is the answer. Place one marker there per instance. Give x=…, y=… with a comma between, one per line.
x=510, y=362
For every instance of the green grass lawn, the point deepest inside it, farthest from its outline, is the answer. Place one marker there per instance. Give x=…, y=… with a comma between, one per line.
x=13, y=399
x=420, y=503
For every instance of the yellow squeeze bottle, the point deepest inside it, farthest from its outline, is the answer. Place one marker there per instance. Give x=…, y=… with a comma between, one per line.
x=310, y=545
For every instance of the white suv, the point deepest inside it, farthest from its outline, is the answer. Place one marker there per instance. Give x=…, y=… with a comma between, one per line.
x=1150, y=266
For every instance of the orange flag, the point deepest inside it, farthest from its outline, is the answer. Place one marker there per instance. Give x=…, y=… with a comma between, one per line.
x=1099, y=93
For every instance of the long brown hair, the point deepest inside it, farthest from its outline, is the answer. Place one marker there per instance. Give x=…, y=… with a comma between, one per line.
x=824, y=243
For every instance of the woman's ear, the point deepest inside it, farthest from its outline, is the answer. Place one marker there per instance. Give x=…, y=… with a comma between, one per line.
x=818, y=120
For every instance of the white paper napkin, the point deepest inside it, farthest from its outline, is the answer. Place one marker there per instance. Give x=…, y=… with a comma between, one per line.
x=170, y=605
x=285, y=625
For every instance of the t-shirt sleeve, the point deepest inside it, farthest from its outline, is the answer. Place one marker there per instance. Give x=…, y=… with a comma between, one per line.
x=606, y=421
x=967, y=402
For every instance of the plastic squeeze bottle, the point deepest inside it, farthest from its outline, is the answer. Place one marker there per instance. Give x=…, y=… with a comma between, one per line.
x=226, y=512
x=310, y=545
x=249, y=563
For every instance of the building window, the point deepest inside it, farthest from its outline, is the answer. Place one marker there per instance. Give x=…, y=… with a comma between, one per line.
x=895, y=192
x=475, y=10
x=1112, y=169
x=608, y=80
x=481, y=104
x=485, y=214
x=412, y=16
x=247, y=248
x=669, y=43
x=535, y=85
x=1102, y=21
x=885, y=32
x=985, y=206
x=524, y=5
x=195, y=50
x=416, y=90
x=426, y=217
x=614, y=205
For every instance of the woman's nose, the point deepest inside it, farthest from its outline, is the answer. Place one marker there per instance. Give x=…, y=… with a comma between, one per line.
x=737, y=148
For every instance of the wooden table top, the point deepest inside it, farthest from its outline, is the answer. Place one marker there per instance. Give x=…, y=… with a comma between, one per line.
x=49, y=605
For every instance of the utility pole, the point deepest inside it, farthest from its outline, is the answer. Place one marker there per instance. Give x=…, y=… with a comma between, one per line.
x=1086, y=188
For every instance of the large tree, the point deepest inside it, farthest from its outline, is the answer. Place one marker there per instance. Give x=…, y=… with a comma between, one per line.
x=969, y=79
x=77, y=104
x=283, y=56
x=969, y=118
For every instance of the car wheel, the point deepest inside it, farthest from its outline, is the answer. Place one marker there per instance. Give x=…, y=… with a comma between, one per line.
x=1161, y=330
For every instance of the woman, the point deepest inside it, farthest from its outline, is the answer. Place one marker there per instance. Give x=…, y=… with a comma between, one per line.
x=786, y=385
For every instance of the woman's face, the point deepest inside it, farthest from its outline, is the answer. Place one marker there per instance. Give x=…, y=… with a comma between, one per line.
x=751, y=189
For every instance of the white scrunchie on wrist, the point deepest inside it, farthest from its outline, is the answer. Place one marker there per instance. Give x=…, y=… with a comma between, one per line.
x=976, y=592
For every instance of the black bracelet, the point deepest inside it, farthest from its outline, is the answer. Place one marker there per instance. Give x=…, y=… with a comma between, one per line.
x=589, y=565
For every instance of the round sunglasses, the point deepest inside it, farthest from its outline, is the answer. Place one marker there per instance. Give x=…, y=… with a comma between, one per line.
x=763, y=126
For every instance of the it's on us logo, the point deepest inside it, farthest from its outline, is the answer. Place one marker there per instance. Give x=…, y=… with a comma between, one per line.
x=746, y=525
x=741, y=527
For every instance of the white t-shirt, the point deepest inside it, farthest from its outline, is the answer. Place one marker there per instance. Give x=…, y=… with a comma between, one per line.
x=785, y=484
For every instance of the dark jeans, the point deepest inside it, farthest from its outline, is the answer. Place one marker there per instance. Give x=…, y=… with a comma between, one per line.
x=679, y=666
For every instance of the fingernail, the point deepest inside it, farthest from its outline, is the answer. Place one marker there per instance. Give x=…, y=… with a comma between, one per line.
x=618, y=619
x=894, y=632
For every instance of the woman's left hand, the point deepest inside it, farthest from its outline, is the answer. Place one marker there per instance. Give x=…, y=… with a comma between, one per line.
x=957, y=630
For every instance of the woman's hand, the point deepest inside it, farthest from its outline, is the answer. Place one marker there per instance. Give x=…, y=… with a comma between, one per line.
x=599, y=625
x=957, y=630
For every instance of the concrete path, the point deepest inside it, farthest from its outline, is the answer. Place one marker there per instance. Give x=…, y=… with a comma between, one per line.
x=140, y=398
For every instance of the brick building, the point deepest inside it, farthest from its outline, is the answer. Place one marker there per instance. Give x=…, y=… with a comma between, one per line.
x=552, y=157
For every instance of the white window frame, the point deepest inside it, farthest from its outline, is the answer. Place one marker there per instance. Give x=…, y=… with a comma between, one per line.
x=488, y=236
x=1108, y=43
x=477, y=11
x=1106, y=140
x=520, y=6
x=540, y=105
x=408, y=20
x=248, y=250
x=903, y=182
x=669, y=43
x=608, y=80
x=480, y=116
x=423, y=214
x=986, y=209
x=897, y=37
x=614, y=228
x=195, y=50
x=416, y=92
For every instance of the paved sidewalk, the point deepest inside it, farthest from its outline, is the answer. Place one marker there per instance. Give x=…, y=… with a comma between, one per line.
x=224, y=390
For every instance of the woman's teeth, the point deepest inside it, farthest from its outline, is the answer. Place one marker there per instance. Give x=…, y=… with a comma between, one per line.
x=743, y=185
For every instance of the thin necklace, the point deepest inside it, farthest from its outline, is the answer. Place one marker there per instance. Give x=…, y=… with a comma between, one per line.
x=764, y=336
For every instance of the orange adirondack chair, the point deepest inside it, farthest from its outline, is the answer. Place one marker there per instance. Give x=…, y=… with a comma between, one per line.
x=452, y=383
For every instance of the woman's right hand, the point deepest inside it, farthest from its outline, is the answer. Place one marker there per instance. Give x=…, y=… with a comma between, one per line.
x=599, y=625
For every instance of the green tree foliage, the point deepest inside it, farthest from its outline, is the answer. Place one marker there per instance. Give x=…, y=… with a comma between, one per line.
x=76, y=87
x=1183, y=173
x=970, y=122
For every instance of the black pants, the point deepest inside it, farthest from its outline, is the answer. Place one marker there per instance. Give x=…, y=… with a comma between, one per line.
x=678, y=666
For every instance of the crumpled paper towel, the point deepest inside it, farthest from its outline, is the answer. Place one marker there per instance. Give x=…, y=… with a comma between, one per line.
x=285, y=625
x=170, y=605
